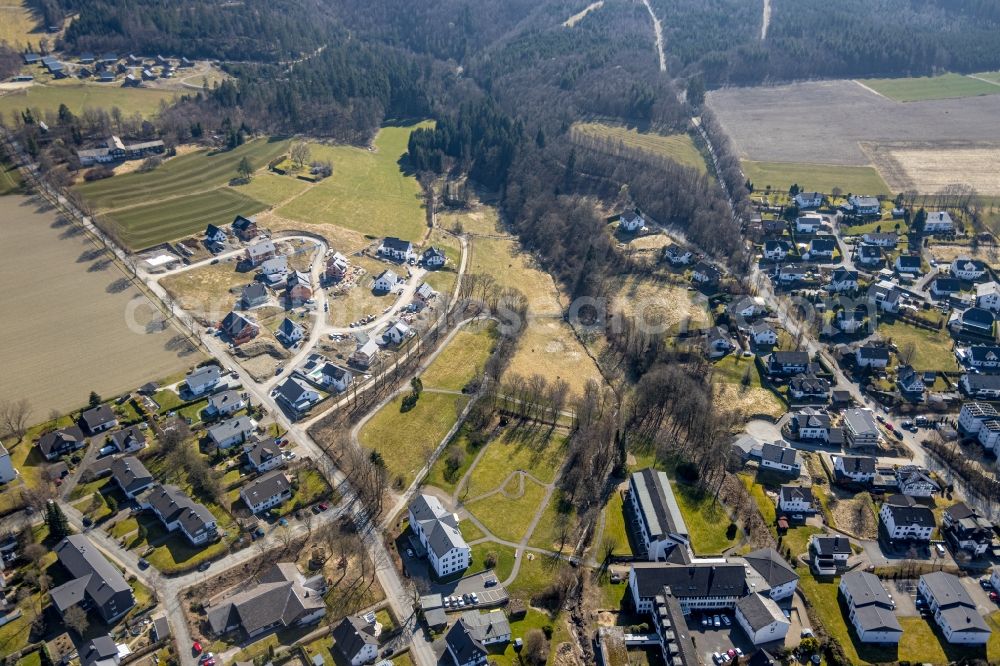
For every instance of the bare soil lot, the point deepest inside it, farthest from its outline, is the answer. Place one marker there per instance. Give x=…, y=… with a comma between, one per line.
x=64, y=321
x=934, y=167
x=827, y=122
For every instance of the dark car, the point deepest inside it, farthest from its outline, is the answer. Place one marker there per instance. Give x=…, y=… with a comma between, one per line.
x=143, y=564
x=204, y=566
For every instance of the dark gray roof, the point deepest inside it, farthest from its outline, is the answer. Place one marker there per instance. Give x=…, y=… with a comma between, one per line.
x=97, y=650
x=692, y=580
x=206, y=374
x=859, y=464
x=759, y=611
x=657, y=503
x=127, y=437
x=485, y=627
x=173, y=504
x=281, y=597
x=822, y=245
x=97, y=417
x=771, y=566
x=352, y=635
x=908, y=261
x=53, y=441
x=234, y=323
x=241, y=223
x=269, y=485
x=463, y=645
x=905, y=511
x=790, y=357
x=396, y=244
x=977, y=317
x=254, y=292
x=334, y=372
x=841, y=274
x=796, y=494
x=877, y=618
x=292, y=389
x=93, y=576
x=832, y=545
x=982, y=353
x=433, y=252
x=225, y=399
x=963, y=618
x=947, y=284
x=809, y=418
x=873, y=352
x=130, y=473
x=866, y=589
x=230, y=428
x=289, y=328
x=982, y=382
x=784, y=455
x=947, y=590
x=262, y=451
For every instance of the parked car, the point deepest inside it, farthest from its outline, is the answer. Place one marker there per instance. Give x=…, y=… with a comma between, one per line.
x=940, y=549
x=716, y=621
x=490, y=582
x=106, y=451
x=409, y=552
x=323, y=506
x=985, y=584
x=204, y=566
x=716, y=657
x=726, y=621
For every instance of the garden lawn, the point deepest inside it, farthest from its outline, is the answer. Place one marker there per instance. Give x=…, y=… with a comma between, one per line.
x=534, y=453
x=469, y=531
x=406, y=440
x=614, y=524
x=706, y=519
x=818, y=177
x=557, y=518
x=368, y=191
x=797, y=539
x=440, y=475
x=509, y=517
x=535, y=574
x=504, y=556
x=933, y=348
x=462, y=359
x=534, y=619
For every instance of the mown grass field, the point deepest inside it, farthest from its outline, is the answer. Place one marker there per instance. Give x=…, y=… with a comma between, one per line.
x=706, y=519
x=18, y=26
x=462, y=359
x=180, y=176
x=406, y=439
x=989, y=76
x=10, y=179
x=933, y=348
x=368, y=191
x=145, y=226
x=818, y=177
x=80, y=96
x=678, y=147
x=509, y=515
x=919, y=88
x=533, y=453
x=614, y=524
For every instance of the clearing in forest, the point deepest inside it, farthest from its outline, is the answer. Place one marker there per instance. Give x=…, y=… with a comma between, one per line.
x=678, y=147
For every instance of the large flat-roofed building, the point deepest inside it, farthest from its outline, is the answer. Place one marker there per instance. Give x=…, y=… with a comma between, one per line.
x=704, y=585
x=658, y=518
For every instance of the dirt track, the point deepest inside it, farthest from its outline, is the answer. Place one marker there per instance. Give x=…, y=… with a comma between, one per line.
x=64, y=318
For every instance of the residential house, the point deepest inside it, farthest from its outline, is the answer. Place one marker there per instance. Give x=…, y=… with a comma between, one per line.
x=809, y=223
x=868, y=256
x=808, y=200
x=98, y=419
x=425, y=292
x=910, y=382
x=290, y=332
x=705, y=273
x=989, y=435
x=260, y=251
x=973, y=415
x=488, y=628
x=908, y=264
x=856, y=469
x=95, y=583
x=336, y=267
x=843, y=280
x=438, y=532
x=761, y=618
x=127, y=440
x=267, y=491
x=114, y=149
x=659, y=520
x=203, y=379
x=7, y=471
x=864, y=205
x=748, y=307
x=777, y=250
x=462, y=648
x=905, y=520
x=365, y=354
x=296, y=394
x=100, y=651
x=829, y=554
x=433, y=257
x=872, y=356
x=850, y=321
x=788, y=274
x=810, y=424
x=985, y=387
x=394, y=248
x=870, y=608
x=245, y=228
x=914, y=481
x=822, y=247
x=698, y=585
x=965, y=268
x=782, y=459
x=282, y=598
x=239, y=328
x=331, y=377
x=781, y=580
x=214, y=234
x=262, y=455
x=677, y=255
x=860, y=428
x=275, y=268
x=298, y=288
x=954, y=610
x=224, y=404
x=386, y=281
x=717, y=342
x=774, y=226
x=795, y=499
x=787, y=362
x=130, y=475
x=356, y=639
x=253, y=295
x=943, y=287
x=880, y=239
x=60, y=442
x=988, y=296
x=232, y=432
x=397, y=332
x=631, y=221
x=966, y=530
x=763, y=333
x=982, y=356
x=808, y=387
x=939, y=222
x=976, y=321
x=177, y=511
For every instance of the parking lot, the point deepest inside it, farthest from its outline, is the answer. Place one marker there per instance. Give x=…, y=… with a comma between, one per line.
x=709, y=640
x=417, y=568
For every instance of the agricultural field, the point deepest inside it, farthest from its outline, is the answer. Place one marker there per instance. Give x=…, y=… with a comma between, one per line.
x=858, y=128
x=182, y=176
x=155, y=223
x=100, y=351
x=271, y=188
x=46, y=99
x=406, y=439
x=933, y=168
x=462, y=359
x=677, y=147
x=820, y=177
x=368, y=192
x=18, y=25
x=919, y=88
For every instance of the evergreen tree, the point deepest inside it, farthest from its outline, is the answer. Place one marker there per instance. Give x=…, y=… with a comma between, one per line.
x=56, y=520
x=94, y=400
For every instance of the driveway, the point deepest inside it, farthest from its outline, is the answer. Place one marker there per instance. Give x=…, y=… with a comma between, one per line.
x=764, y=430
